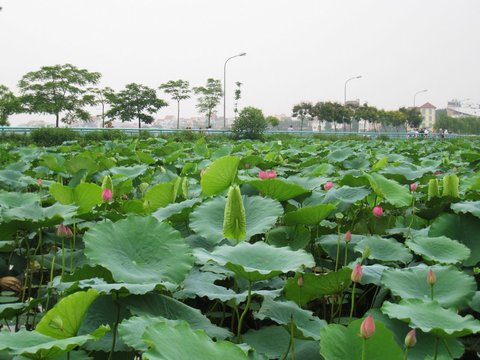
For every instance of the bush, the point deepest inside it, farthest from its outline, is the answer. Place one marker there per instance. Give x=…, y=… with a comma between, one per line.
x=250, y=124
x=53, y=136
x=104, y=135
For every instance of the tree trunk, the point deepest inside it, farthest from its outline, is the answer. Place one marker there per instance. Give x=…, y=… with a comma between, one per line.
x=139, y=123
x=57, y=119
x=178, y=114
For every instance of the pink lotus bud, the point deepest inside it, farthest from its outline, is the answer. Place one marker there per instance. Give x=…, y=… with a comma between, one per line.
x=300, y=281
x=348, y=236
x=413, y=187
x=328, y=185
x=272, y=174
x=263, y=175
x=367, y=329
x=357, y=273
x=438, y=172
x=411, y=338
x=431, y=277
x=107, y=195
x=64, y=231
x=39, y=182
x=377, y=211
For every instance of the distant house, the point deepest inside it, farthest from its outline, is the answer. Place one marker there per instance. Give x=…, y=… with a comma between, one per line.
x=428, y=113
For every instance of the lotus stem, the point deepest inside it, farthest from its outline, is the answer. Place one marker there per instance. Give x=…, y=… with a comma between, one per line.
x=63, y=257
x=431, y=291
x=115, y=326
x=292, y=340
x=338, y=248
x=346, y=254
x=353, y=303
x=72, y=244
x=247, y=306
x=435, y=354
x=364, y=349
x=49, y=290
x=405, y=354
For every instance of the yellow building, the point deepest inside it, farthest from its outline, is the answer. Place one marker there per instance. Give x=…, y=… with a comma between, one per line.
x=428, y=113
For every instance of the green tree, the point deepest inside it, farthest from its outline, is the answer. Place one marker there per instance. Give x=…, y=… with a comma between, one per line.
x=368, y=114
x=101, y=98
x=210, y=96
x=413, y=117
x=135, y=102
x=250, y=124
x=238, y=94
x=396, y=118
x=179, y=90
x=272, y=120
x=331, y=112
x=9, y=104
x=303, y=111
x=57, y=90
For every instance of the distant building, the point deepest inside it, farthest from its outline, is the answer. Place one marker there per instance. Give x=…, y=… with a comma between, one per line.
x=458, y=108
x=428, y=113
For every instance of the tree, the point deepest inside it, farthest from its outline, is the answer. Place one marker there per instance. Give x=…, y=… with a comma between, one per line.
x=272, y=120
x=395, y=118
x=9, y=104
x=238, y=94
x=368, y=114
x=250, y=124
x=101, y=97
x=303, y=111
x=179, y=90
x=413, y=117
x=58, y=89
x=135, y=102
x=210, y=96
x=331, y=112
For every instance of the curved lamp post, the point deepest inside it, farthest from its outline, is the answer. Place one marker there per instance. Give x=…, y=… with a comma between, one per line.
x=225, y=88
x=418, y=92
x=345, y=88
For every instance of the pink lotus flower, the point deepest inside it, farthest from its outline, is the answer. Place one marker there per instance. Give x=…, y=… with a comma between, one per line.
x=64, y=231
x=328, y=185
x=438, y=172
x=411, y=338
x=271, y=174
x=107, y=195
x=348, y=236
x=377, y=211
x=431, y=277
x=413, y=187
x=357, y=273
x=39, y=182
x=367, y=329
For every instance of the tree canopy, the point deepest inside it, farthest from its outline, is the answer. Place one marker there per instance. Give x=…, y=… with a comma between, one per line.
x=135, y=102
x=250, y=124
x=178, y=90
x=58, y=89
x=210, y=96
x=9, y=104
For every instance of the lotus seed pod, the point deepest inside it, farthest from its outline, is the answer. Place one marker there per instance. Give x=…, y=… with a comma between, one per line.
x=433, y=189
x=142, y=187
x=450, y=185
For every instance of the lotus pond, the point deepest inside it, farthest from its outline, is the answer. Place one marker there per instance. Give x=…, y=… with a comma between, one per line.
x=301, y=249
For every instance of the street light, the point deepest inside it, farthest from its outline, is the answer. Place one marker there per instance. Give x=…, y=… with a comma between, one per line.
x=418, y=92
x=225, y=88
x=345, y=88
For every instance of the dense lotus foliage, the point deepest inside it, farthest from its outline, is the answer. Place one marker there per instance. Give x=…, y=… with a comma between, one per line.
x=292, y=249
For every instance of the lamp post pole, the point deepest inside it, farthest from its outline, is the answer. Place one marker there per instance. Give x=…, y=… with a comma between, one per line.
x=415, y=96
x=225, y=88
x=345, y=88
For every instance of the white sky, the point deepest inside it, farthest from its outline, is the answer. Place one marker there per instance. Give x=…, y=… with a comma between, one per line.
x=296, y=50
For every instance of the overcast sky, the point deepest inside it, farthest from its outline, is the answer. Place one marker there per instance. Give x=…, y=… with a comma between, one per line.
x=300, y=50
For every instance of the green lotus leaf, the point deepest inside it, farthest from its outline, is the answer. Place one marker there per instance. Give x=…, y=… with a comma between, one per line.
x=347, y=194
x=139, y=250
x=159, y=196
x=155, y=305
x=202, y=284
x=234, y=219
x=219, y=175
x=338, y=342
x=8, y=311
x=425, y=342
x=53, y=162
x=174, y=209
x=431, y=317
x=282, y=312
x=464, y=228
x=173, y=342
x=131, y=172
x=309, y=215
x=439, y=249
x=384, y=249
x=65, y=318
x=85, y=195
x=340, y=155
x=81, y=162
x=411, y=283
x=33, y=216
x=15, y=179
x=17, y=199
x=390, y=190
x=329, y=244
x=258, y=261
x=410, y=172
x=317, y=286
x=296, y=237
x=475, y=303
x=35, y=345
x=472, y=207
x=278, y=189
x=105, y=288
x=262, y=214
